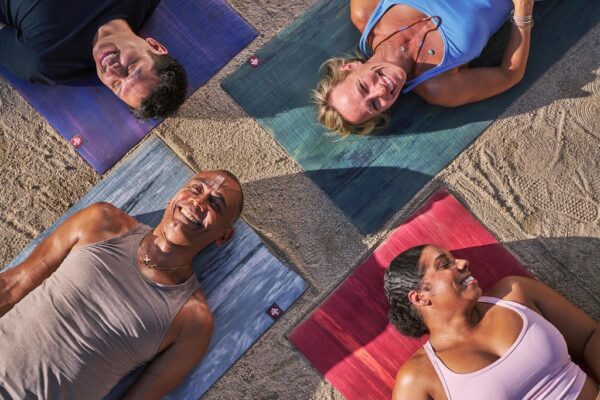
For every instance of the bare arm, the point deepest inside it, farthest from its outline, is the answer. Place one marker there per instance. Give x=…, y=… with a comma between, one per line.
x=169, y=368
x=17, y=282
x=91, y=224
x=469, y=85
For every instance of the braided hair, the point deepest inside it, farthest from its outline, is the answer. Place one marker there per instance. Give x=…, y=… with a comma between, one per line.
x=401, y=277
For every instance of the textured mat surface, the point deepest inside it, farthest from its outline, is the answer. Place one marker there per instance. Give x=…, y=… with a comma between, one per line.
x=241, y=279
x=202, y=35
x=348, y=338
x=370, y=178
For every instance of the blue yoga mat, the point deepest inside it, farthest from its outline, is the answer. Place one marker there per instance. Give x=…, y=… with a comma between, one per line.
x=202, y=35
x=371, y=178
x=241, y=279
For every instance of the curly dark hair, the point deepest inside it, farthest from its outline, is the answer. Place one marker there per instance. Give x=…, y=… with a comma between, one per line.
x=402, y=276
x=170, y=92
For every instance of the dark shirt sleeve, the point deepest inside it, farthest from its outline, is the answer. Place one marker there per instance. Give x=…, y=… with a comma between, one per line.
x=18, y=58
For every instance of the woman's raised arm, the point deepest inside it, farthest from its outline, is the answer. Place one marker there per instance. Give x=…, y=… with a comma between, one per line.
x=469, y=85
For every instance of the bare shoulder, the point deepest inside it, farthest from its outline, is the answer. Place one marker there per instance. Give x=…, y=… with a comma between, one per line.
x=195, y=315
x=435, y=90
x=416, y=378
x=101, y=221
x=514, y=288
x=360, y=12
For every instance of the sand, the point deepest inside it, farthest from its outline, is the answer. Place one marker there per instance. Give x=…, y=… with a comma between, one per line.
x=531, y=178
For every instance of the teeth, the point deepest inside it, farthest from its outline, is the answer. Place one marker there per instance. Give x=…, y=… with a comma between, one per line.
x=467, y=280
x=108, y=59
x=189, y=216
x=388, y=82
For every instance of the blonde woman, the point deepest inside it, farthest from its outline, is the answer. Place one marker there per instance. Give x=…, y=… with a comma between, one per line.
x=421, y=46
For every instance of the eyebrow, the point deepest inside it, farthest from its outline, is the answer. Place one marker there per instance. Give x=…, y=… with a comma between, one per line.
x=218, y=195
x=360, y=88
x=370, y=108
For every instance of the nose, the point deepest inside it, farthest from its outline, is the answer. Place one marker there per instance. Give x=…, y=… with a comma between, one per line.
x=116, y=69
x=199, y=201
x=461, y=264
x=378, y=91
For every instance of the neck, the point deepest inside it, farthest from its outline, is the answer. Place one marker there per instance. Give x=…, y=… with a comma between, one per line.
x=389, y=52
x=449, y=325
x=174, y=261
x=115, y=26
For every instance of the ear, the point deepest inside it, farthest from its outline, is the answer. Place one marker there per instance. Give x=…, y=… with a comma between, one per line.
x=350, y=66
x=226, y=236
x=157, y=47
x=419, y=298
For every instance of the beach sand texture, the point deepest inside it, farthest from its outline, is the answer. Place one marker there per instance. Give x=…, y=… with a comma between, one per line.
x=532, y=178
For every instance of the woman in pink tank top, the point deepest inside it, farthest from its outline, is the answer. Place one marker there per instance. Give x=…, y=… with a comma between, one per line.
x=519, y=341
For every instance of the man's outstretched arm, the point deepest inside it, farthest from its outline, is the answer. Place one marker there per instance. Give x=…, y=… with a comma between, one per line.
x=17, y=282
x=91, y=224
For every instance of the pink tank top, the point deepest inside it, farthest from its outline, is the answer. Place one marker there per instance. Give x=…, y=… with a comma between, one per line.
x=537, y=365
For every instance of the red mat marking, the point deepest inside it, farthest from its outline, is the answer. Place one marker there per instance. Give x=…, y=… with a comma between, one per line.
x=348, y=338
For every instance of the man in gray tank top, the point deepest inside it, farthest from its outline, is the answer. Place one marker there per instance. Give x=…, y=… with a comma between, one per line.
x=104, y=294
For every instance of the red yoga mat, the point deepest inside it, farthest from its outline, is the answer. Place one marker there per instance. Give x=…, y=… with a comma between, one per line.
x=349, y=339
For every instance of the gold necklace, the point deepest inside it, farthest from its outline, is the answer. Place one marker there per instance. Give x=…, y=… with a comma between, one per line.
x=147, y=261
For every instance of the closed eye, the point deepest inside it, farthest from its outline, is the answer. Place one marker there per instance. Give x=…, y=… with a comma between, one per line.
x=196, y=189
x=362, y=88
x=216, y=203
x=443, y=263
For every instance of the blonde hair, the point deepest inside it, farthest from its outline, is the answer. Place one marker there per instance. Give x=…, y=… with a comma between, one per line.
x=327, y=115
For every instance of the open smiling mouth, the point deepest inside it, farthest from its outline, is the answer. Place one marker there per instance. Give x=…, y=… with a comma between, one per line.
x=108, y=59
x=189, y=216
x=467, y=281
x=387, y=82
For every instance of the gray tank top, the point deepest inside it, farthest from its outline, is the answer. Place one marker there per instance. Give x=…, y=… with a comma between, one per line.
x=89, y=324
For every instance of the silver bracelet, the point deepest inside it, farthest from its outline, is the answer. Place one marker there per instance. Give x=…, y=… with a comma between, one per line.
x=524, y=22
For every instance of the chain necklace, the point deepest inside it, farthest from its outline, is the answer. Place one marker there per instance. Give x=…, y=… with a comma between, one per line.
x=147, y=262
x=438, y=22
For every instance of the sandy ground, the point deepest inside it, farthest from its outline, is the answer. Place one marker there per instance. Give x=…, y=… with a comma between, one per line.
x=531, y=178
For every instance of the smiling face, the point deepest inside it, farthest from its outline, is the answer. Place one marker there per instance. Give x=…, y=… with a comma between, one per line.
x=446, y=280
x=124, y=64
x=203, y=211
x=369, y=89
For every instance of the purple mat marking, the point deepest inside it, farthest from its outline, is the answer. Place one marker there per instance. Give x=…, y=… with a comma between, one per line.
x=203, y=35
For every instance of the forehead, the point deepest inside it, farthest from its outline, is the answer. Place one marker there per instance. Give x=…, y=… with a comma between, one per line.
x=218, y=181
x=430, y=254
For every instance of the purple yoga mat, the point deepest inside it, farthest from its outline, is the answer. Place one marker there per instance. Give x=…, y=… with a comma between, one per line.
x=202, y=35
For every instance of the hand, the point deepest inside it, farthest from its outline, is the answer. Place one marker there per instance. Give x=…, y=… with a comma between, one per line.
x=523, y=7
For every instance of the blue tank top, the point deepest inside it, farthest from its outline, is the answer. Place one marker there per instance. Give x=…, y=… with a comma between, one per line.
x=466, y=27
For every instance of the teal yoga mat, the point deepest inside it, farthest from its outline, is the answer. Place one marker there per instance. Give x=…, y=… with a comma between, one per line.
x=371, y=178
x=242, y=280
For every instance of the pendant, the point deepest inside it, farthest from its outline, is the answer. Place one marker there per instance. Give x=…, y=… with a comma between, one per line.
x=402, y=49
x=431, y=52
